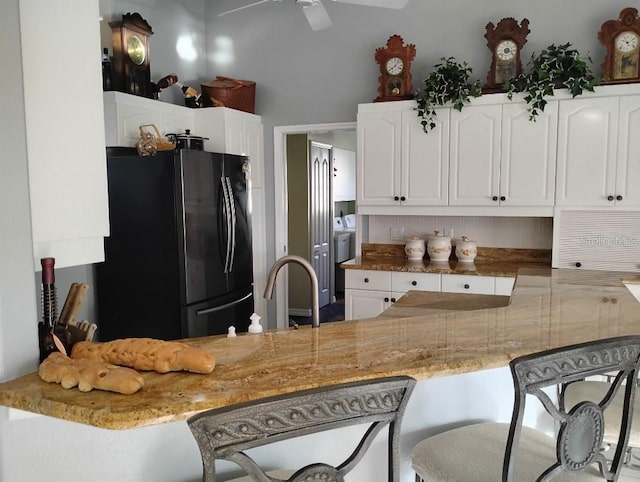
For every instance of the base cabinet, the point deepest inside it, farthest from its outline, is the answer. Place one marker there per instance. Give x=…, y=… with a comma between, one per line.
x=369, y=292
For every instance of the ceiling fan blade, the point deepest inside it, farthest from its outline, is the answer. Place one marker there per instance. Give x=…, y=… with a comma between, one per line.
x=396, y=4
x=317, y=16
x=242, y=8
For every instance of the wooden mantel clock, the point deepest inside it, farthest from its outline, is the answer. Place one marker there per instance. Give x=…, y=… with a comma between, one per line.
x=621, y=37
x=394, y=82
x=131, y=71
x=505, y=42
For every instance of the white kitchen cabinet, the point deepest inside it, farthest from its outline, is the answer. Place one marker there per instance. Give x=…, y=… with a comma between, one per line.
x=344, y=174
x=369, y=292
x=459, y=283
x=598, y=151
x=64, y=134
x=501, y=158
x=504, y=285
x=397, y=163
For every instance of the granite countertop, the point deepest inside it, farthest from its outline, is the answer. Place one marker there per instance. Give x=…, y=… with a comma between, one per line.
x=503, y=262
x=420, y=336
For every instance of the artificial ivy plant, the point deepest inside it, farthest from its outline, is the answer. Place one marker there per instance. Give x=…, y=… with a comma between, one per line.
x=556, y=67
x=449, y=82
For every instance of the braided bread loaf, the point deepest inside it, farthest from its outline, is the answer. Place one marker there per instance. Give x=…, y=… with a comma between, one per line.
x=147, y=354
x=88, y=374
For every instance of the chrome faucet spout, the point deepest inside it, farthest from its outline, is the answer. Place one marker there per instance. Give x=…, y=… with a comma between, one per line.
x=271, y=281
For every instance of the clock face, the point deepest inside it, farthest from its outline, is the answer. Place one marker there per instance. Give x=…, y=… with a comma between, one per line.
x=136, y=50
x=394, y=65
x=506, y=50
x=627, y=42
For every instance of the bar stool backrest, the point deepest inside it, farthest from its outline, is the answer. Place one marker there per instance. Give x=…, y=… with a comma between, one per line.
x=226, y=433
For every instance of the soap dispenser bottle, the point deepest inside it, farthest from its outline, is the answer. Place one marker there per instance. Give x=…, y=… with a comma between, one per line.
x=255, y=326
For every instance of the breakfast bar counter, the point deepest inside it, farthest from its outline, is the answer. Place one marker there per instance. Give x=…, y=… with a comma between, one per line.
x=424, y=335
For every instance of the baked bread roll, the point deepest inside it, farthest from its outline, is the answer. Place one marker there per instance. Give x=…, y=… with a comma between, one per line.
x=147, y=354
x=88, y=374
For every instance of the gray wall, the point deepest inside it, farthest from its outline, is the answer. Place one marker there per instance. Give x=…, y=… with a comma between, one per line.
x=303, y=77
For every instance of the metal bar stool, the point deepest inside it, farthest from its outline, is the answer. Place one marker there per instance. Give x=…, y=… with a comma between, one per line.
x=513, y=452
x=226, y=433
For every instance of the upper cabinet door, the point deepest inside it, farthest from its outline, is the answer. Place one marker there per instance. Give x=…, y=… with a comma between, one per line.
x=528, y=156
x=425, y=161
x=378, y=158
x=628, y=167
x=475, y=156
x=587, y=145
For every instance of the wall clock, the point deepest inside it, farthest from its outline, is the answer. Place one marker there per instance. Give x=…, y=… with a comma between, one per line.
x=621, y=38
x=505, y=42
x=131, y=72
x=394, y=60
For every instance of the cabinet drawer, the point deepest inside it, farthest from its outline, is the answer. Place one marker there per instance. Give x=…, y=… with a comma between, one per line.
x=456, y=283
x=403, y=282
x=504, y=286
x=364, y=279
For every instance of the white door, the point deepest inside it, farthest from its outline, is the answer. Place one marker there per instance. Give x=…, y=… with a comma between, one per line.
x=425, y=161
x=628, y=167
x=475, y=156
x=528, y=156
x=320, y=217
x=587, y=138
x=378, y=159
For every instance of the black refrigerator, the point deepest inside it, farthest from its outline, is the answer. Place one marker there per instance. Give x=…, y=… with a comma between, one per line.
x=178, y=259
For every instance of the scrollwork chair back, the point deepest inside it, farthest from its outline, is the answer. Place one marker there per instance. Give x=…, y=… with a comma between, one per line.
x=227, y=433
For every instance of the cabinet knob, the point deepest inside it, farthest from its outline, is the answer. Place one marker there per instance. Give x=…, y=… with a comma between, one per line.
x=396, y=198
x=393, y=300
x=494, y=198
x=402, y=198
x=502, y=198
x=414, y=283
x=609, y=198
x=386, y=299
x=614, y=300
x=618, y=197
x=466, y=286
x=578, y=264
x=366, y=280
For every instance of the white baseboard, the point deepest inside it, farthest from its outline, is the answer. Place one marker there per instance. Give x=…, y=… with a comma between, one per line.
x=299, y=312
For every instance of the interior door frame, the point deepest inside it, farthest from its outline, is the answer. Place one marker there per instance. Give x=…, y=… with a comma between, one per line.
x=281, y=195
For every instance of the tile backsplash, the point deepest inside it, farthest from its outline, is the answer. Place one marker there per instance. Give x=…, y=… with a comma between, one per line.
x=495, y=232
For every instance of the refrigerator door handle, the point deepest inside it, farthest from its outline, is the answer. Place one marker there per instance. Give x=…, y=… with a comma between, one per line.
x=232, y=204
x=227, y=218
x=223, y=307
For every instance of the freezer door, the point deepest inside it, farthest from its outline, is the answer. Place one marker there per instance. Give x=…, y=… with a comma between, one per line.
x=200, y=195
x=214, y=317
x=239, y=266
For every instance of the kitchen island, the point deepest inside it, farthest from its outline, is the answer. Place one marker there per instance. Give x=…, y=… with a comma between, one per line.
x=423, y=335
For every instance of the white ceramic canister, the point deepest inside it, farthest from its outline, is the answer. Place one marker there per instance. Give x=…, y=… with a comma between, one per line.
x=466, y=250
x=439, y=247
x=414, y=248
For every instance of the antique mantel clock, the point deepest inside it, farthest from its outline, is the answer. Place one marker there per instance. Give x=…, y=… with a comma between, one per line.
x=505, y=42
x=621, y=37
x=394, y=82
x=131, y=72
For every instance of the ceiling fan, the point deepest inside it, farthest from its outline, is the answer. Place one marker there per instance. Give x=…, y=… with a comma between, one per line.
x=316, y=14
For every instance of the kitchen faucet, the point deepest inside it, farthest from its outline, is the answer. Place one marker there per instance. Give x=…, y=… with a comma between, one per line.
x=291, y=258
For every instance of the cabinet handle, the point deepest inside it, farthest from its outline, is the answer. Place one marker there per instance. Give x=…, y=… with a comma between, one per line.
x=466, y=286
x=609, y=198
x=366, y=280
x=386, y=299
x=414, y=283
x=402, y=198
x=618, y=197
x=494, y=198
x=578, y=264
x=502, y=198
x=393, y=300
x=396, y=198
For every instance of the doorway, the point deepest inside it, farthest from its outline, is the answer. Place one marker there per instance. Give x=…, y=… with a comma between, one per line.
x=281, y=202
